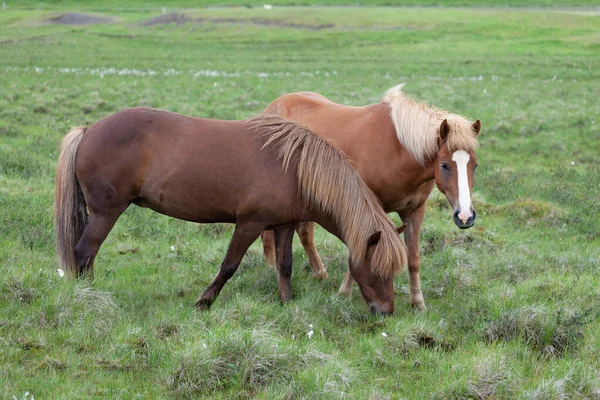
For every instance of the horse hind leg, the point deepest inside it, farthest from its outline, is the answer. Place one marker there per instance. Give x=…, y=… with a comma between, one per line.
x=306, y=232
x=105, y=205
x=94, y=234
x=243, y=236
x=268, y=241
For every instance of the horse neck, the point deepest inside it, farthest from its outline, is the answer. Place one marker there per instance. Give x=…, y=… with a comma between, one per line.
x=346, y=207
x=329, y=185
x=428, y=169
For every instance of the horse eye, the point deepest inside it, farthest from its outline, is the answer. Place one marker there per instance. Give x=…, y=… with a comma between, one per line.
x=445, y=167
x=475, y=167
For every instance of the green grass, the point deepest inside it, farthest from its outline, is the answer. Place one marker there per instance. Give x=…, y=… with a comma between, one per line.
x=131, y=5
x=513, y=303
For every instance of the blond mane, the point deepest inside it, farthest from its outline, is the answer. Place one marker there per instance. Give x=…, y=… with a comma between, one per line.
x=417, y=126
x=328, y=182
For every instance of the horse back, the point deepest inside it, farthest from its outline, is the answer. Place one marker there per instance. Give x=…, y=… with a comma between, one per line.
x=190, y=168
x=367, y=135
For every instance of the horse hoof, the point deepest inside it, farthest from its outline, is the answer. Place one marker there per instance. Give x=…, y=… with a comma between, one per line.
x=320, y=275
x=420, y=307
x=203, y=304
x=285, y=300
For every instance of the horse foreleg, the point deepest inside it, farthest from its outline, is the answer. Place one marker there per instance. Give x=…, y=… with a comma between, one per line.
x=306, y=232
x=243, y=236
x=268, y=241
x=284, y=238
x=414, y=220
x=346, y=287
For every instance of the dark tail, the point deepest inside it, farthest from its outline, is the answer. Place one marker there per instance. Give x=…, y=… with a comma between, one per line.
x=70, y=216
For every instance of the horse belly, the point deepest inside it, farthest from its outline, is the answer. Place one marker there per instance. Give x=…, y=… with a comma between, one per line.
x=192, y=197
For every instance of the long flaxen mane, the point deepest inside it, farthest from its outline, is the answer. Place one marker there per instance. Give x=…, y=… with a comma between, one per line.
x=328, y=183
x=417, y=126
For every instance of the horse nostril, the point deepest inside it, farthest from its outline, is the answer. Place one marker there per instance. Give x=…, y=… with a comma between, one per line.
x=474, y=215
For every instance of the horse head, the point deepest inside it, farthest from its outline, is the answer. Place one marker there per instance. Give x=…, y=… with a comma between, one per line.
x=454, y=174
x=377, y=287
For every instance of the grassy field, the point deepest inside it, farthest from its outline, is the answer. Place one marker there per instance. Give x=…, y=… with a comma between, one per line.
x=158, y=4
x=514, y=303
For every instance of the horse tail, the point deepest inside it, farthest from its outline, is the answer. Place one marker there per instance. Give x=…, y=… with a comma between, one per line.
x=70, y=216
x=328, y=182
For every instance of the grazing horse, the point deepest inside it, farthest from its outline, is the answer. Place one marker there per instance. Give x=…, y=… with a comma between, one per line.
x=262, y=173
x=401, y=148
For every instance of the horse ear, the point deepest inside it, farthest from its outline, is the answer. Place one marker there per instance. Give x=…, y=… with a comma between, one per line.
x=374, y=239
x=477, y=127
x=401, y=228
x=444, y=131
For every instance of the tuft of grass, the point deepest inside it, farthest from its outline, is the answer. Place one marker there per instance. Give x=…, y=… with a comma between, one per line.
x=19, y=291
x=249, y=360
x=491, y=379
x=407, y=339
x=574, y=384
x=82, y=307
x=550, y=334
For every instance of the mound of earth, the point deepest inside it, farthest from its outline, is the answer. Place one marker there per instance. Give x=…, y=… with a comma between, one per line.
x=172, y=18
x=80, y=19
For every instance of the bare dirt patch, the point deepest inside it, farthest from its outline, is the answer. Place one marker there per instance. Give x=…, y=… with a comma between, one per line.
x=80, y=19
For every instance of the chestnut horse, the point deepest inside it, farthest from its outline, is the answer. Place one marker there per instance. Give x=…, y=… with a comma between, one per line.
x=262, y=173
x=401, y=148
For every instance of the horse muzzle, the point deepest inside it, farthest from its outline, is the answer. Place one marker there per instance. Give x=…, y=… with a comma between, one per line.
x=377, y=308
x=464, y=222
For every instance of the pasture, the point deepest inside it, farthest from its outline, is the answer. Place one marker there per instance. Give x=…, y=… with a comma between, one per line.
x=513, y=303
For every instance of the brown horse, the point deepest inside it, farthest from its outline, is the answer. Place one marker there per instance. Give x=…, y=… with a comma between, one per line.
x=401, y=148
x=262, y=173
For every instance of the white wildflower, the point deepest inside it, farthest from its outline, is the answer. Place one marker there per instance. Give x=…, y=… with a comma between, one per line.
x=61, y=273
x=173, y=248
x=309, y=334
x=383, y=334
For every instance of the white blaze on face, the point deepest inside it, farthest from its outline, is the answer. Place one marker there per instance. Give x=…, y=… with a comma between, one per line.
x=461, y=158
